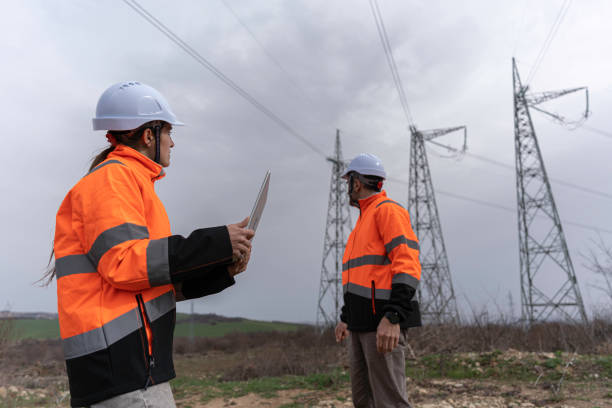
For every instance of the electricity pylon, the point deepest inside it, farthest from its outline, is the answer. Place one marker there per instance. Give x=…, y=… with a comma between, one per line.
x=549, y=288
x=436, y=293
x=336, y=232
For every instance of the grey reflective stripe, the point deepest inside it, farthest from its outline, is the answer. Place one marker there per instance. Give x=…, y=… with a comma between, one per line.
x=366, y=292
x=71, y=264
x=102, y=337
x=115, y=236
x=406, y=279
x=161, y=305
x=389, y=201
x=83, y=344
x=104, y=164
x=88, y=263
x=366, y=260
x=399, y=240
x=158, y=266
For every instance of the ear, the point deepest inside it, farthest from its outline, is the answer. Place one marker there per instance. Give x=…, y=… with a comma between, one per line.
x=147, y=137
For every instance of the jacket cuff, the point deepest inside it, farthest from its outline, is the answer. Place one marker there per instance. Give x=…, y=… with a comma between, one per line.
x=343, y=317
x=204, y=249
x=213, y=282
x=400, y=301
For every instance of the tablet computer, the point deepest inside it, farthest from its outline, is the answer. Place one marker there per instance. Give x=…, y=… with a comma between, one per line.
x=260, y=203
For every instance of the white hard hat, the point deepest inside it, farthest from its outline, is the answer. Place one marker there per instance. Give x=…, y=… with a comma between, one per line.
x=366, y=164
x=128, y=105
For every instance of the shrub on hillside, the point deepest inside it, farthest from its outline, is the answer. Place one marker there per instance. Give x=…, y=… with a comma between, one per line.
x=7, y=331
x=592, y=338
x=265, y=354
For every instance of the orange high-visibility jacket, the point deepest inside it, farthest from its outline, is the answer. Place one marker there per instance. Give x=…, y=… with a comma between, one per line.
x=381, y=269
x=116, y=263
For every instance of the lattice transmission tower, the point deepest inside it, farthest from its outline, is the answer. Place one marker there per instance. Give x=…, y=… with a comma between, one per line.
x=549, y=288
x=436, y=293
x=337, y=228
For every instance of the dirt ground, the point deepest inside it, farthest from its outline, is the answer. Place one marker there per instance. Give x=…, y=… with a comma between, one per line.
x=32, y=374
x=25, y=387
x=435, y=394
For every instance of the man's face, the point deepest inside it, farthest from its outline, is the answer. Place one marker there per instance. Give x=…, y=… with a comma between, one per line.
x=353, y=192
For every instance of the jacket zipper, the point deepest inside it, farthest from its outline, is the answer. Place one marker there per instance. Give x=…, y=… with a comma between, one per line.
x=348, y=278
x=348, y=272
x=373, y=298
x=149, y=359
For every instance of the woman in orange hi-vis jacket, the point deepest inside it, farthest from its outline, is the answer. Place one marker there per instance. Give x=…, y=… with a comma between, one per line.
x=120, y=270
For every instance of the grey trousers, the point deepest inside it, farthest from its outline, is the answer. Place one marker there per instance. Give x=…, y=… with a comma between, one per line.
x=155, y=396
x=377, y=380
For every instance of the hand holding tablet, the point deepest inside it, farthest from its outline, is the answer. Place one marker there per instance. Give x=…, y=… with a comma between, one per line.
x=260, y=203
x=239, y=261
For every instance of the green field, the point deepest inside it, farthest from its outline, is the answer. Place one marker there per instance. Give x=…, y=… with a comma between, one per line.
x=36, y=329
x=223, y=328
x=49, y=329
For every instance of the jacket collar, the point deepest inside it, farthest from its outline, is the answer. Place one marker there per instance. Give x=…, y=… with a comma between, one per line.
x=138, y=161
x=367, y=202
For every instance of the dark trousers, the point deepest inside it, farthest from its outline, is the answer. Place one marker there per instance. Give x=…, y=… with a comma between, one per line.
x=377, y=380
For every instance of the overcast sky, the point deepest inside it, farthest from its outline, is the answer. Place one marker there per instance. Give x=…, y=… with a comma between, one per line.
x=454, y=58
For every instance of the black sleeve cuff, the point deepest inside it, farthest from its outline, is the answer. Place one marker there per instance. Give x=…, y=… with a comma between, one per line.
x=343, y=317
x=203, y=251
x=401, y=301
x=213, y=282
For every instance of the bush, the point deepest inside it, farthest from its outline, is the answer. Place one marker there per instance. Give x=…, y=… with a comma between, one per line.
x=592, y=338
x=7, y=333
x=301, y=352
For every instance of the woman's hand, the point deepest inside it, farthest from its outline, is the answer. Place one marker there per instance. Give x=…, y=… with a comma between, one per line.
x=240, y=238
x=240, y=265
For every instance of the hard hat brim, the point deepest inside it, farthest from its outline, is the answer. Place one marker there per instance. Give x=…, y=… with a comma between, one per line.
x=123, y=123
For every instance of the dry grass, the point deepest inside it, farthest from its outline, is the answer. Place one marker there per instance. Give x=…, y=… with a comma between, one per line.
x=301, y=352
x=308, y=351
x=7, y=332
x=593, y=338
x=541, y=358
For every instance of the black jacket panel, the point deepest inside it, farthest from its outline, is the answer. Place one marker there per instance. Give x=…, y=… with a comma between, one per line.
x=361, y=316
x=123, y=366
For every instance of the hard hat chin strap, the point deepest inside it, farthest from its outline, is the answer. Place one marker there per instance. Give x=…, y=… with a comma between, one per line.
x=351, y=179
x=157, y=131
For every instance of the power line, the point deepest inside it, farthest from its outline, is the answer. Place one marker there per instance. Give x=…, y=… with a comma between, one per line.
x=584, y=189
x=510, y=167
x=553, y=179
x=502, y=207
x=226, y=80
x=598, y=131
x=265, y=50
x=262, y=108
x=384, y=39
x=551, y=35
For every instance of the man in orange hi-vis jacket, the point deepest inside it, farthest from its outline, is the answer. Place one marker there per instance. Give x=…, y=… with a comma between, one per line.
x=119, y=268
x=380, y=275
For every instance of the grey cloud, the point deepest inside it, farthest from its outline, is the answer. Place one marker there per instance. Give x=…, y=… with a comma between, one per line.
x=455, y=64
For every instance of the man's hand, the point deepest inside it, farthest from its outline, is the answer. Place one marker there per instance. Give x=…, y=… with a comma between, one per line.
x=387, y=336
x=240, y=238
x=240, y=265
x=341, y=331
